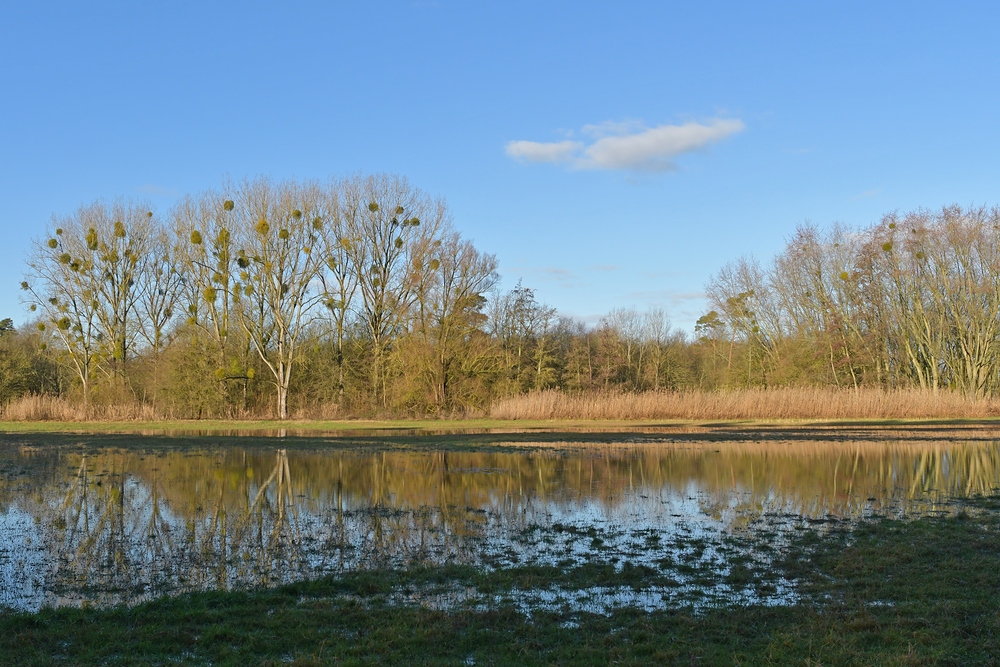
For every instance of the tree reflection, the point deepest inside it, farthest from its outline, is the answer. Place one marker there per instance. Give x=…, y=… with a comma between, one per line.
x=114, y=525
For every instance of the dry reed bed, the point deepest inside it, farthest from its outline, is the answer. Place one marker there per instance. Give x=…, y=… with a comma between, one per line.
x=796, y=403
x=54, y=408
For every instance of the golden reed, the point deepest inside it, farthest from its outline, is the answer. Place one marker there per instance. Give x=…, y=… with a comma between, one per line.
x=53, y=408
x=788, y=403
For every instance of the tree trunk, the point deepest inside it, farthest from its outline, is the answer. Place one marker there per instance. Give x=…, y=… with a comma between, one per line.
x=282, y=400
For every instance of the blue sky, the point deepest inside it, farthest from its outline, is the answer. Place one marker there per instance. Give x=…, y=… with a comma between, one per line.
x=609, y=154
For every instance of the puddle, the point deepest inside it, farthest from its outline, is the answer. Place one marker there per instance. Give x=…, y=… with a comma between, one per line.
x=93, y=524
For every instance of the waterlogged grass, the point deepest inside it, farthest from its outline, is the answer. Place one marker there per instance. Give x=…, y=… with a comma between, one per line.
x=275, y=427
x=222, y=425
x=886, y=592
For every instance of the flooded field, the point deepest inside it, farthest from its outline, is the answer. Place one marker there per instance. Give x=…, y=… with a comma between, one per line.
x=120, y=519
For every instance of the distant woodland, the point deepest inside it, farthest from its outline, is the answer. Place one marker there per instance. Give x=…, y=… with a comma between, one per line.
x=358, y=297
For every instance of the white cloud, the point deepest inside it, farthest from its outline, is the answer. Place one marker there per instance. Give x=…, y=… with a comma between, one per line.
x=628, y=146
x=612, y=127
x=654, y=149
x=533, y=151
x=673, y=297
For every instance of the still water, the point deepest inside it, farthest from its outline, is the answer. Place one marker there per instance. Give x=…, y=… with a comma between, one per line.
x=105, y=523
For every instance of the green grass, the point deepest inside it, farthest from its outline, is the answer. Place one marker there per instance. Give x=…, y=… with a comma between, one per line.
x=921, y=592
x=209, y=426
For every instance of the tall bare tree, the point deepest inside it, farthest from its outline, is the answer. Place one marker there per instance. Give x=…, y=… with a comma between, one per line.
x=205, y=229
x=389, y=228
x=160, y=283
x=62, y=283
x=339, y=280
x=521, y=326
x=85, y=279
x=280, y=258
x=450, y=312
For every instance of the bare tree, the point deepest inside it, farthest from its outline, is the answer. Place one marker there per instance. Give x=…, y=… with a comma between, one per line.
x=121, y=234
x=61, y=282
x=389, y=227
x=522, y=325
x=623, y=337
x=339, y=280
x=205, y=230
x=280, y=258
x=160, y=283
x=451, y=304
x=85, y=278
x=742, y=292
x=656, y=338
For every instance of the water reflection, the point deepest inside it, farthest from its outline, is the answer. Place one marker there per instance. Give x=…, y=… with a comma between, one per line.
x=111, y=525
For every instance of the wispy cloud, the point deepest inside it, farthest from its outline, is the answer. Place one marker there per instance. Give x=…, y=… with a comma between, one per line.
x=627, y=146
x=547, y=274
x=613, y=128
x=533, y=151
x=672, y=297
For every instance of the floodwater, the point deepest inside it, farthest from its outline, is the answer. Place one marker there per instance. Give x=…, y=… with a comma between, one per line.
x=118, y=520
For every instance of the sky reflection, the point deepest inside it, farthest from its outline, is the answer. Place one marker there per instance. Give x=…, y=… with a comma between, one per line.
x=110, y=525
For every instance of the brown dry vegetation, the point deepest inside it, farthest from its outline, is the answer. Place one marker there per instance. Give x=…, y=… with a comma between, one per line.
x=554, y=404
x=782, y=403
x=51, y=408
x=736, y=404
x=34, y=407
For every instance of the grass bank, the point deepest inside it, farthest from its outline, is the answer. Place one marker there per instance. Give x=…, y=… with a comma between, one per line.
x=485, y=431
x=889, y=592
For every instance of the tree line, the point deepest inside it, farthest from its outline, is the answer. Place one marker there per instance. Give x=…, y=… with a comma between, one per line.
x=358, y=297
x=912, y=301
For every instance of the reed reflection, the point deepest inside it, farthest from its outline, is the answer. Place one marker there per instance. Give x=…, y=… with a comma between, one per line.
x=122, y=525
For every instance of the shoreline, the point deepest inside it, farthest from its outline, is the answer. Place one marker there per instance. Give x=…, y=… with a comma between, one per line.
x=522, y=430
